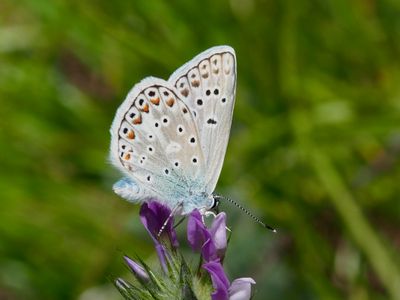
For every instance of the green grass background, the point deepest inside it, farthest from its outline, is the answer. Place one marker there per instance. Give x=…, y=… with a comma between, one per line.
x=314, y=147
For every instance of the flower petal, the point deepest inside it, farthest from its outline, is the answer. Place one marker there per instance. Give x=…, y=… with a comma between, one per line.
x=197, y=233
x=121, y=284
x=218, y=234
x=153, y=216
x=240, y=289
x=162, y=256
x=209, y=252
x=137, y=269
x=219, y=280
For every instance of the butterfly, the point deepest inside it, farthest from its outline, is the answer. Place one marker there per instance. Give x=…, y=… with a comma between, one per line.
x=169, y=138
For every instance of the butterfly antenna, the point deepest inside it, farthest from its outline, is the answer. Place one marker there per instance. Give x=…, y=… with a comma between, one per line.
x=257, y=220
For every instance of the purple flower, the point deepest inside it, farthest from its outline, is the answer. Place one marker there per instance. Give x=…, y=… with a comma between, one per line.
x=218, y=234
x=137, y=269
x=240, y=289
x=197, y=233
x=153, y=216
x=162, y=256
x=209, y=252
x=176, y=274
x=212, y=242
x=219, y=280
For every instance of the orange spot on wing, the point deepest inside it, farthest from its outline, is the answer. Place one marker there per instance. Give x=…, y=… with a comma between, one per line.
x=145, y=108
x=131, y=135
x=185, y=92
x=170, y=102
x=127, y=156
x=155, y=101
x=137, y=120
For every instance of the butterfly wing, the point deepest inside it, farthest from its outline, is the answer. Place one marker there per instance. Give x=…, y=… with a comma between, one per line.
x=207, y=84
x=154, y=141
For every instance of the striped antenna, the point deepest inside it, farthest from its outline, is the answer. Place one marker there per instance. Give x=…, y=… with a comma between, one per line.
x=257, y=220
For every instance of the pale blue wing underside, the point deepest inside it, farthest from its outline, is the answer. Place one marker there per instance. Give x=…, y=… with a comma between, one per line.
x=131, y=191
x=154, y=142
x=170, y=137
x=207, y=84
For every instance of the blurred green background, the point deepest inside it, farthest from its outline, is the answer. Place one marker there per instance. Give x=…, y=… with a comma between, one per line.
x=314, y=147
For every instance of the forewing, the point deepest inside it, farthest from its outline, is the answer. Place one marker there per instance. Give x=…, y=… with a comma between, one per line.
x=207, y=84
x=155, y=143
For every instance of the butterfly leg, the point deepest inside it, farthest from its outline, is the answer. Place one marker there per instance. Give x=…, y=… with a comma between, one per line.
x=179, y=222
x=173, y=212
x=206, y=213
x=211, y=213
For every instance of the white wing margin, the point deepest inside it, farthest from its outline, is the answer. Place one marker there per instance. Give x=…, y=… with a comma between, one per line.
x=207, y=84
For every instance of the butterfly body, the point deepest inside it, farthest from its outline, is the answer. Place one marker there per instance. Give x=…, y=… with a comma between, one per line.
x=169, y=137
